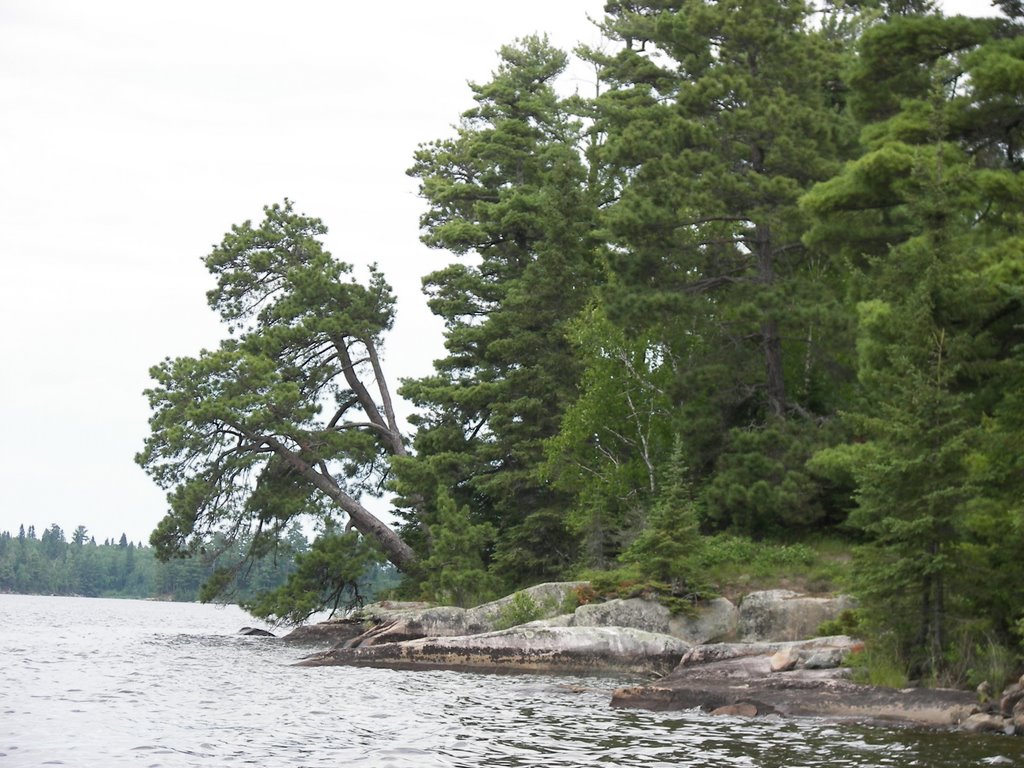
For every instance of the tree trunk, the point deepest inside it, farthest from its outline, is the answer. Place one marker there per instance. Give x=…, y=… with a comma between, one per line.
x=771, y=342
x=938, y=630
x=363, y=520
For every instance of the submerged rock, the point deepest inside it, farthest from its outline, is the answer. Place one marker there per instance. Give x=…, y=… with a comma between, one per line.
x=255, y=632
x=522, y=649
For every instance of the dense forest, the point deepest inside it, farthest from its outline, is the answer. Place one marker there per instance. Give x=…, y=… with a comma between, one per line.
x=766, y=282
x=51, y=564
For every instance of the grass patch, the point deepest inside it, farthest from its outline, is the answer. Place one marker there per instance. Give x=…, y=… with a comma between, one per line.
x=879, y=663
x=737, y=565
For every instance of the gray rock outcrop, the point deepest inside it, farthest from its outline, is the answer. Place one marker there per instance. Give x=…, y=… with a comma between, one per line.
x=714, y=621
x=633, y=612
x=549, y=599
x=522, y=649
x=746, y=678
x=711, y=621
x=780, y=614
x=330, y=632
x=392, y=623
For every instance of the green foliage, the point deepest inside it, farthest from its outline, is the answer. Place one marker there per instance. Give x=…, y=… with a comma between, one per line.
x=740, y=564
x=612, y=436
x=846, y=623
x=668, y=548
x=879, y=663
x=454, y=572
x=626, y=582
x=521, y=609
x=989, y=660
x=762, y=484
x=715, y=118
x=925, y=221
x=290, y=416
x=53, y=566
x=697, y=299
x=509, y=190
x=581, y=595
x=330, y=575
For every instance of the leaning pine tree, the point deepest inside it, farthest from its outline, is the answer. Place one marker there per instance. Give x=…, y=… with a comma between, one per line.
x=291, y=415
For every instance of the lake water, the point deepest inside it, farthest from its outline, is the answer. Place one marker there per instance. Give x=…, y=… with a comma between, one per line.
x=92, y=682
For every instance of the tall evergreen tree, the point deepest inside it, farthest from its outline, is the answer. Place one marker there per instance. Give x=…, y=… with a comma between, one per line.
x=930, y=219
x=507, y=194
x=716, y=118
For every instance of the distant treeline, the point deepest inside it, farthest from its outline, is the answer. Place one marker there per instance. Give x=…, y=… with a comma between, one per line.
x=55, y=563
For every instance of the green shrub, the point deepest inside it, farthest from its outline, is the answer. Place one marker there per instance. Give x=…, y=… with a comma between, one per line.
x=581, y=595
x=846, y=623
x=521, y=609
x=455, y=569
x=992, y=662
x=624, y=583
x=879, y=663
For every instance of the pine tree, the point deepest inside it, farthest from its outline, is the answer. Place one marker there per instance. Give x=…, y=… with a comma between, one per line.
x=455, y=572
x=507, y=194
x=928, y=219
x=669, y=547
x=715, y=119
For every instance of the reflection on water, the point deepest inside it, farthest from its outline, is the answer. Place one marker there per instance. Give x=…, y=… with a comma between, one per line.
x=90, y=682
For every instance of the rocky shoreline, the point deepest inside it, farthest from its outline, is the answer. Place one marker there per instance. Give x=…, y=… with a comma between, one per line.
x=539, y=649
x=748, y=660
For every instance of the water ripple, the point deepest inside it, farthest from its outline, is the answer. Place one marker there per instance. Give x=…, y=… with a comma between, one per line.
x=111, y=683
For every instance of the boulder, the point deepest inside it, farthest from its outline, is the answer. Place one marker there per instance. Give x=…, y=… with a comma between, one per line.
x=780, y=614
x=330, y=632
x=784, y=660
x=522, y=649
x=549, y=600
x=255, y=632
x=1010, y=698
x=713, y=622
x=1017, y=718
x=634, y=612
x=983, y=722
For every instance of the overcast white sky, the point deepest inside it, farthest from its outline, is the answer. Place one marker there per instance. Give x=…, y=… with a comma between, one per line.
x=134, y=134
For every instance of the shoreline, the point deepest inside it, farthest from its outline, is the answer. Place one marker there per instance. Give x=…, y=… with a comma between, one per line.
x=747, y=678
